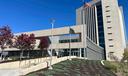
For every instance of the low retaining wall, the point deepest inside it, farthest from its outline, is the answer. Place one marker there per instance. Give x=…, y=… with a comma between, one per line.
x=43, y=65
x=22, y=64
x=28, y=66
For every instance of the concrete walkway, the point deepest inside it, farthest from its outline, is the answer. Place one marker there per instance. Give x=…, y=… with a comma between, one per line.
x=9, y=72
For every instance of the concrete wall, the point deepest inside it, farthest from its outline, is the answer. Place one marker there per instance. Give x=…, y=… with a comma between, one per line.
x=43, y=65
x=94, y=52
x=55, y=31
x=22, y=64
x=28, y=66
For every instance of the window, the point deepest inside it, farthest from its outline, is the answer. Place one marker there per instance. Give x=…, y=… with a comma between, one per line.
x=107, y=10
x=107, y=6
x=109, y=33
x=111, y=46
x=108, y=21
x=109, y=27
x=108, y=16
x=110, y=39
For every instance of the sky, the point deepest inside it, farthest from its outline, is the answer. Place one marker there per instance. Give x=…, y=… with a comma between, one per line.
x=29, y=15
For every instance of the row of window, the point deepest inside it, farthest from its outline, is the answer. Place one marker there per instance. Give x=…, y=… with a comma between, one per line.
x=67, y=41
x=108, y=16
x=109, y=27
x=107, y=8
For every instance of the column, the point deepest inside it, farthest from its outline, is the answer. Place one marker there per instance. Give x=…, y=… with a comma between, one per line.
x=80, y=52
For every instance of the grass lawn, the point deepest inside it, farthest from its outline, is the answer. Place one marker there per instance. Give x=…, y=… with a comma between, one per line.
x=75, y=67
x=65, y=68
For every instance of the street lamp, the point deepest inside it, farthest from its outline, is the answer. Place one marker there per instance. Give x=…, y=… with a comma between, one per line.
x=50, y=63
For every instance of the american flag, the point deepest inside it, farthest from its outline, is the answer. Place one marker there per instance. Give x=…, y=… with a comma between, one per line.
x=94, y=0
x=87, y=5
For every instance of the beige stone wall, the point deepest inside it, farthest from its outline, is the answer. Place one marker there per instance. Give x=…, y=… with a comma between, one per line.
x=117, y=29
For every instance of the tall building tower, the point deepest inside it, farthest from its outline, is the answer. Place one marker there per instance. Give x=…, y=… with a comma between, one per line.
x=105, y=26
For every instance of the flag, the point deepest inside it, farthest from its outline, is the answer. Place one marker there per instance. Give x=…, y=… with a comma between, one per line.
x=94, y=0
x=71, y=31
x=87, y=5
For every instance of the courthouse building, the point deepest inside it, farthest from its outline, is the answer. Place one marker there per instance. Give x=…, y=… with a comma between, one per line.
x=98, y=33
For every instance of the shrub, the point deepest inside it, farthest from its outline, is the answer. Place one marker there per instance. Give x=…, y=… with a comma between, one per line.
x=125, y=56
x=110, y=66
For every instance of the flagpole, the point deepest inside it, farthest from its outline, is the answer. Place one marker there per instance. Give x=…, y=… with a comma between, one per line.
x=84, y=38
x=70, y=43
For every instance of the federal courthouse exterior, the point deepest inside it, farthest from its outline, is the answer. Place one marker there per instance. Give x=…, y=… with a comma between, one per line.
x=98, y=33
x=105, y=25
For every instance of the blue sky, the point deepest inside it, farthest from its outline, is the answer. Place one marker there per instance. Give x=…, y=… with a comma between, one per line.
x=28, y=15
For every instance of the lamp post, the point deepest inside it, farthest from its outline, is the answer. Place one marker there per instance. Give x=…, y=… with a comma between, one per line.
x=50, y=63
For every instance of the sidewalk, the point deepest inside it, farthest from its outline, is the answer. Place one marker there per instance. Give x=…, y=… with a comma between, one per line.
x=9, y=72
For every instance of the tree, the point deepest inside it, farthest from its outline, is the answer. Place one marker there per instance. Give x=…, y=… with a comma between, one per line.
x=44, y=44
x=5, y=38
x=25, y=42
x=125, y=55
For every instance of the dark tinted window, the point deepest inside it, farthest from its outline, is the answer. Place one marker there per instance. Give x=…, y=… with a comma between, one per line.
x=111, y=46
x=100, y=25
x=109, y=33
x=108, y=16
x=109, y=27
x=107, y=6
x=107, y=10
x=110, y=39
x=108, y=21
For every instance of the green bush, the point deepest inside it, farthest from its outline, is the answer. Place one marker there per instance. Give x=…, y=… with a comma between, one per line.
x=110, y=66
x=125, y=56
